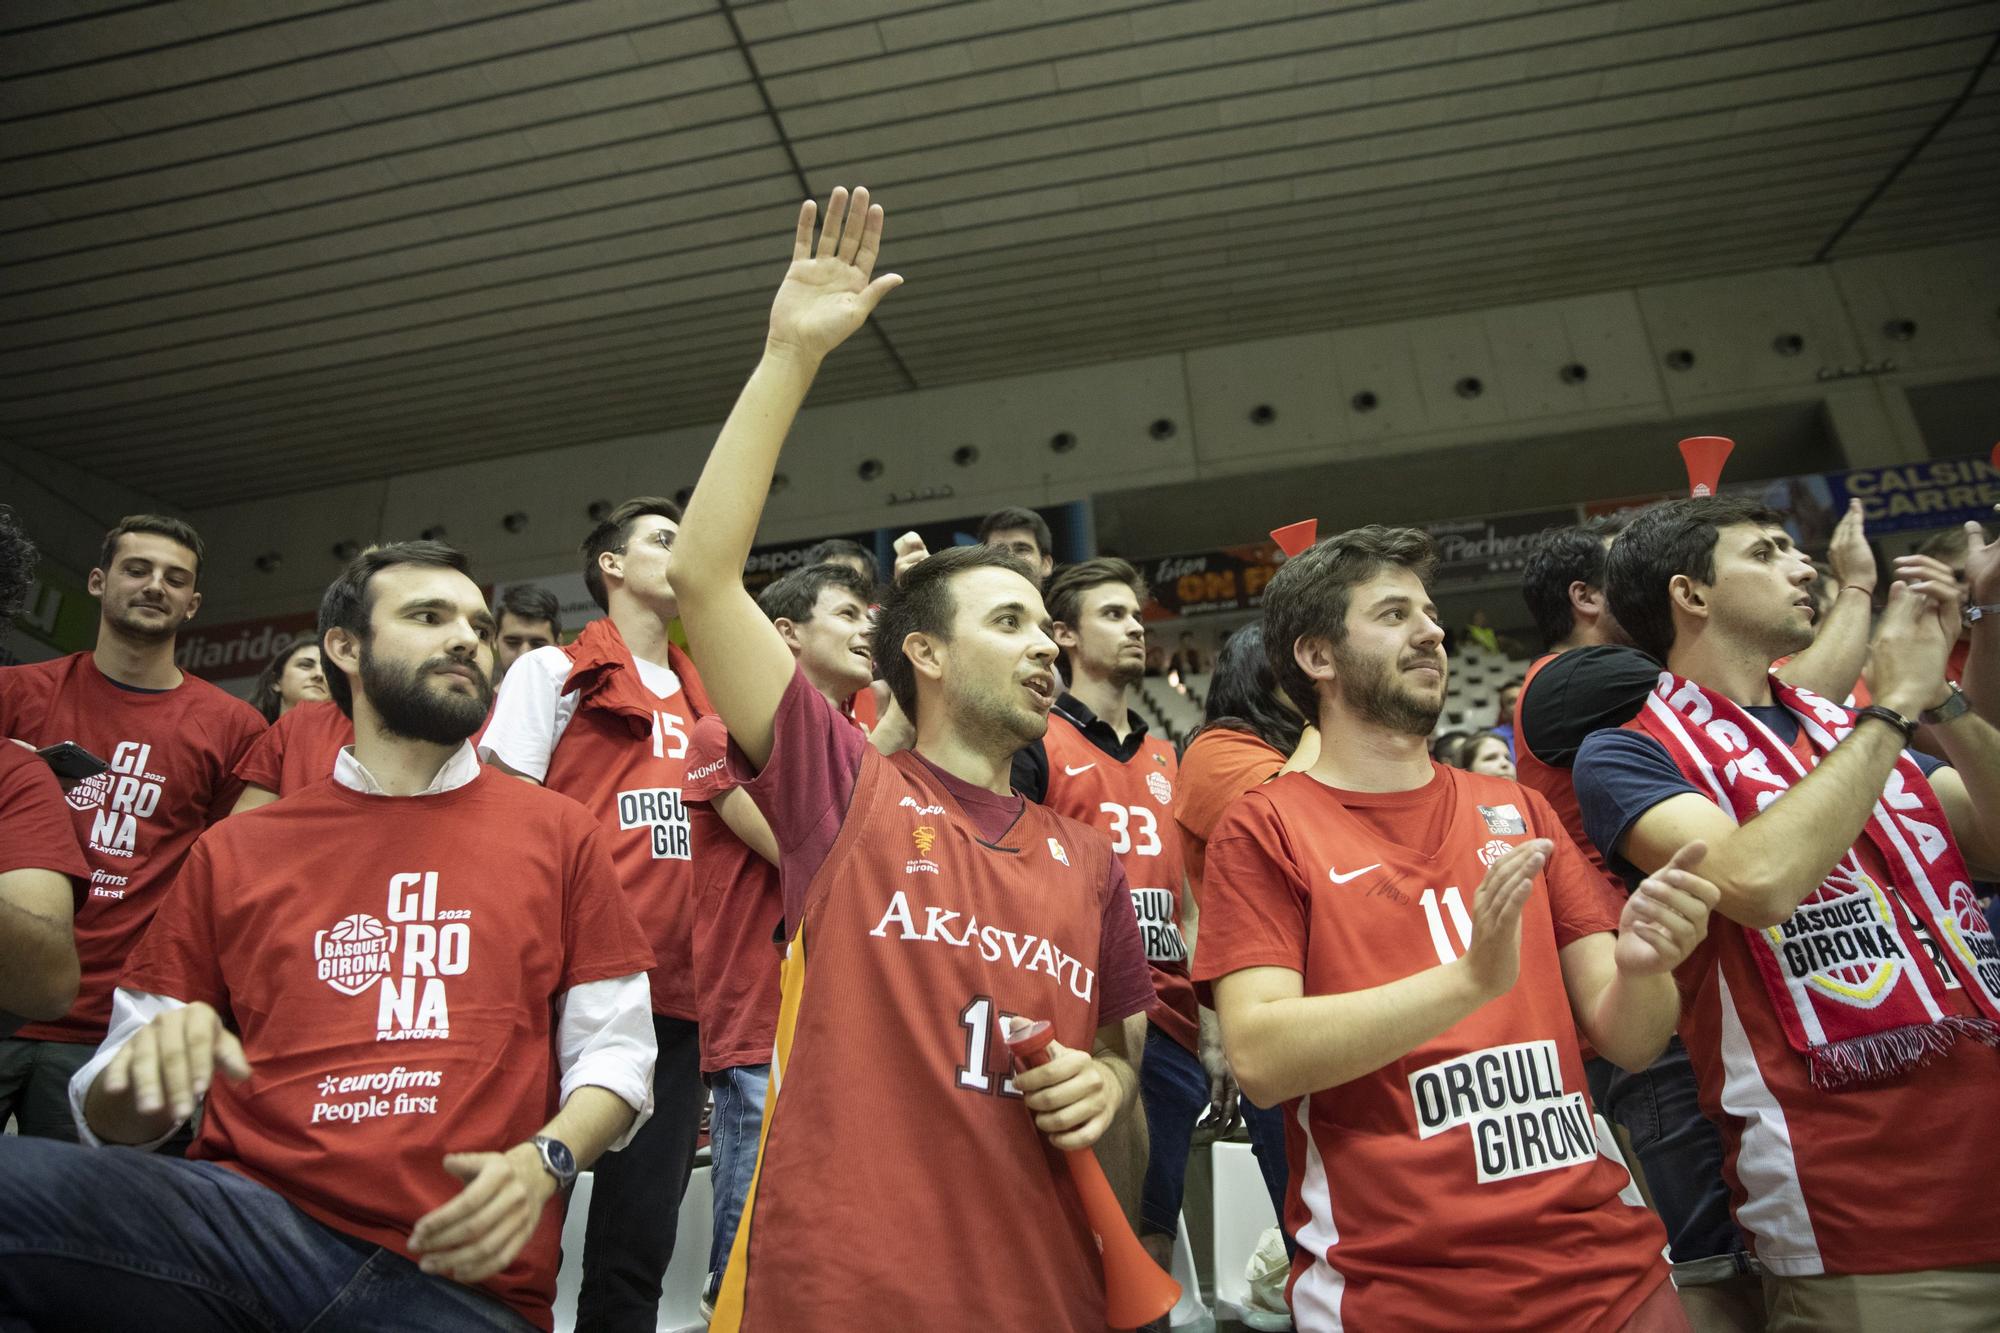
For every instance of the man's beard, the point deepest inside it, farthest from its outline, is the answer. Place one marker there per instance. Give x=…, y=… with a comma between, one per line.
x=1377, y=692
x=129, y=621
x=410, y=708
x=1124, y=674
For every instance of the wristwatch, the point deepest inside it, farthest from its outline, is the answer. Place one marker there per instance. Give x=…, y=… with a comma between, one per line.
x=557, y=1160
x=1954, y=707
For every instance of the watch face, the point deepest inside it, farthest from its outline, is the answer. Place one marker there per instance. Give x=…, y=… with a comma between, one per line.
x=560, y=1157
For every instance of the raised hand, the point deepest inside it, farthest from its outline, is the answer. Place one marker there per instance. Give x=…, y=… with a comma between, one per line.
x=1912, y=642
x=830, y=290
x=1493, y=958
x=1982, y=566
x=1666, y=917
x=910, y=552
x=1852, y=559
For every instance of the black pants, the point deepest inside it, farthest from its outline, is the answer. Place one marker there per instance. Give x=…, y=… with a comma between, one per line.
x=635, y=1195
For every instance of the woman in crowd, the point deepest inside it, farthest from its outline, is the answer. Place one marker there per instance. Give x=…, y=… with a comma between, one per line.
x=289, y=678
x=1482, y=752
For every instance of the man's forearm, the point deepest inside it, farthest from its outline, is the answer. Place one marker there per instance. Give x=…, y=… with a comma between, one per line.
x=1634, y=1018
x=1833, y=663
x=1122, y=1149
x=721, y=520
x=38, y=968
x=590, y=1121
x=1288, y=1048
x=1972, y=744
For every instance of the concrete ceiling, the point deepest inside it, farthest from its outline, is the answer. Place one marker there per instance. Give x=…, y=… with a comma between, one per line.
x=247, y=250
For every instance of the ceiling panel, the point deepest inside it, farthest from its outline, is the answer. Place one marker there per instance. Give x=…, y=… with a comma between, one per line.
x=246, y=251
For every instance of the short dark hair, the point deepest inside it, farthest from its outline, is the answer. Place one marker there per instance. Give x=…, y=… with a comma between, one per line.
x=611, y=534
x=923, y=604
x=347, y=603
x=1666, y=539
x=794, y=596
x=1015, y=516
x=159, y=525
x=1560, y=557
x=1948, y=545
x=530, y=601
x=265, y=696
x=1243, y=694
x=1064, y=595
x=18, y=558
x=841, y=548
x=1307, y=597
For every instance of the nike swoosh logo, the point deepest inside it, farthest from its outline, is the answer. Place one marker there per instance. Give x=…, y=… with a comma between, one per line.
x=1083, y=769
x=1339, y=878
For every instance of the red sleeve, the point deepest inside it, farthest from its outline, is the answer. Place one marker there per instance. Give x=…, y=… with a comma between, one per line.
x=1215, y=773
x=806, y=784
x=1255, y=906
x=35, y=828
x=601, y=937
x=263, y=764
x=177, y=955
x=244, y=728
x=1581, y=900
x=1122, y=969
x=708, y=774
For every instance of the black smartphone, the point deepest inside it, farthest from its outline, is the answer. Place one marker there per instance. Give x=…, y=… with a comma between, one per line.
x=70, y=760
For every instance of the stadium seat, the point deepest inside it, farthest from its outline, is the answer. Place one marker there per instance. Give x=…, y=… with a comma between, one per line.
x=680, y=1298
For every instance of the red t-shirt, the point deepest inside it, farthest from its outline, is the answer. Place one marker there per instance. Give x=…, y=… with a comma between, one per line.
x=392, y=965
x=1219, y=766
x=739, y=912
x=923, y=910
x=299, y=748
x=1128, y=802
x=1471, y=1174
x=172, y=754
x=35, y=829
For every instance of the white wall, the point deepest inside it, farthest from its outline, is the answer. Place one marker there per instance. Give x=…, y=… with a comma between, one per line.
x=1839, y=310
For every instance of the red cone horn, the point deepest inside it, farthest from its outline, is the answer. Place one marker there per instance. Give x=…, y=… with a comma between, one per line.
x=1136, y=1292
x=1296, y=537
x=1704, y=456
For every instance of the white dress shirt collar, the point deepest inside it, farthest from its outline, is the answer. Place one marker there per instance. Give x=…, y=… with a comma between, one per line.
x=458, y=770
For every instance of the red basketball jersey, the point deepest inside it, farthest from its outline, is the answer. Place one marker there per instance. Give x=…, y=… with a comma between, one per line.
x=1132, y=803
x=901, y=1183
x=299, y=749
x=624, y=758
x=1469, y=1179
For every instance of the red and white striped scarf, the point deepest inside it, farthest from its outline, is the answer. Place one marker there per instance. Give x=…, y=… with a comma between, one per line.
x=1849, y=974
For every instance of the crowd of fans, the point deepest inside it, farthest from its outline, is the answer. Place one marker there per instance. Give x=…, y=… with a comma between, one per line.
x=316, y=1004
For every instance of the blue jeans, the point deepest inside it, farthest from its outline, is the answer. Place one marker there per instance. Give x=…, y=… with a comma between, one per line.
x=1267, y=1142
x=115, y=1238
x=732, y=1150
x=1174, y=1089
x=1679, y=1150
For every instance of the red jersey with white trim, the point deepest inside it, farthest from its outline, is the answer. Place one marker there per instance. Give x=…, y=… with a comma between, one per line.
x=739, y=908
x=901, y=1182
x=623, y=756
x=172, y=755
x=299, y=749
x=1132, y=804
x=1889, y=1176
x=392, y=966
x=1471, y=1174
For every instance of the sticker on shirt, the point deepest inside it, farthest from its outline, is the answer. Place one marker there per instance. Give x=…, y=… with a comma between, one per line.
x=406, y=960
x=1163, y=790
x=1158, y=930
x=1503, y=820
x=121, y=796
x=1512, y=1100
x=353, y=1098
x=661, y=812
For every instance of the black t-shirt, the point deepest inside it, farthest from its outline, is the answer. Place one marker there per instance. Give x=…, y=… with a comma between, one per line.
x=1581, y=691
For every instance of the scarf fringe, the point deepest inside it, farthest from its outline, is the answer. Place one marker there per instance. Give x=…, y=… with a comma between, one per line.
x=1880, y=1055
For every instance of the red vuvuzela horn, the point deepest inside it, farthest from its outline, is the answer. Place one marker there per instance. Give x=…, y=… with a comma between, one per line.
x=1136, y=1292
x=1704, y=456
x=1296, y=537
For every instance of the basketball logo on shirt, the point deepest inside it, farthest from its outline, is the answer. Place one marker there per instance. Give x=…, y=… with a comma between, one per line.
x=1493, y=851
x=409, y=958
x=355, y=954
x=122, y=795
x=1163, y=790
